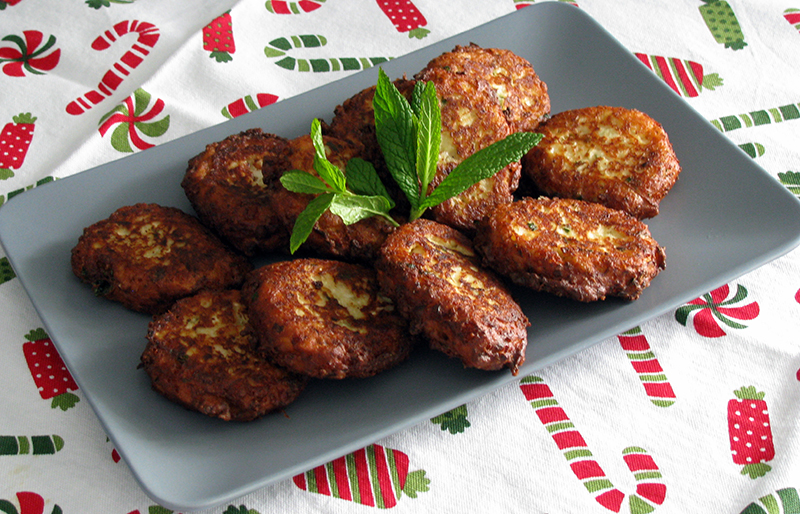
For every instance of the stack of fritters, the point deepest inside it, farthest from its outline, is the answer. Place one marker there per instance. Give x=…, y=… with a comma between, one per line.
x=236, y=343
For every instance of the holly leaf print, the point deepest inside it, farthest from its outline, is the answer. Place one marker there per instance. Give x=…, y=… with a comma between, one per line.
x=28, y=53
x=454, y=421
x=97, y=4
x=714, y=309
x=136, y=117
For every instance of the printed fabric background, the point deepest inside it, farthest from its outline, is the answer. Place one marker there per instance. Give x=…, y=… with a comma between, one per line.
x=694, y=411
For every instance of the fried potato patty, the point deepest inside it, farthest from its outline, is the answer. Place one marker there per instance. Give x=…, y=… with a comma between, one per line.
x=200, y=354
x=330, y=236
x=517, y=90
x=226, y=188
x=325, y=319
x=147, y=256
x=481, y=93
x=619, y=157
x=571, y=248
x=433, y=275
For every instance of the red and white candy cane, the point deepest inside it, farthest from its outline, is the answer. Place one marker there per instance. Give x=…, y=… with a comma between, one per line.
x=147, y=37
x=646, y=365
x=650, y=489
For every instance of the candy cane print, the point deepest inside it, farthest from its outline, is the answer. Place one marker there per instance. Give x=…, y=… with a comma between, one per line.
x=785, y=500
x=647, y=367
x=650, y=489
x=285, y=7
x=776, y=114
x=374, y=476
x=147, y=37
x=281, y=46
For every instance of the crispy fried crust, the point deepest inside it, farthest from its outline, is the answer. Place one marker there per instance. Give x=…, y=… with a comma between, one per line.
x=517, y=89
x=325, y=319
x=481, y=93
x=331, y=237
x=433, y=275
x=146, y=257
x=201, y=355
x=619, y=157
x=225, y=186
x=571, y=248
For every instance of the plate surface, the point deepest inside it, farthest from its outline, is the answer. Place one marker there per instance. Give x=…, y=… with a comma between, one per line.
x=713, y=224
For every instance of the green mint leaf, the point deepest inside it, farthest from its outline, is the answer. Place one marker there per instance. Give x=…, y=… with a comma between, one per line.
x=416, y=97
x=305, y=222
x=429, y=135
x=395, y=128
x=353, y=209
x=327, y=171
x=481, y=165
x=362, y=179
x=298, y=181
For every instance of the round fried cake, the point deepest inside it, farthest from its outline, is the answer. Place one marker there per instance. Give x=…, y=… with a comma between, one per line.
x=517, y=90
x=433, y=275
x=330, y=237
x=225, y=186
x=325, y=319
x=572, y=248
x=147, y=256
x=619, y=157
x=482, y=92
x=201, y=354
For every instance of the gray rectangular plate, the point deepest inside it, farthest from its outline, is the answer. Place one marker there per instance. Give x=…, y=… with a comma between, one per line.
x=725, y=217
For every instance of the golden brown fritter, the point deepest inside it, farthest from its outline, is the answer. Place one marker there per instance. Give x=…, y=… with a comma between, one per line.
x=147, y=256
x=619, y=157
x=517, y=90
x=571, y=248
x=325, y=319
x=433, y=275
x=330, y=237
x=201, y=354
x=225, y=186
x=481, y=93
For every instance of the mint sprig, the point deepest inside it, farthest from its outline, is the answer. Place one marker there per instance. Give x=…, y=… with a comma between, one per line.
x=367, y=198
x=409, y=135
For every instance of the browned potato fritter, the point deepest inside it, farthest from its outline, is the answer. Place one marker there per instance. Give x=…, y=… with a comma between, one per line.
x=330, y=237
x=516, y=88
x=200, y=354
x=325, y=319
x=619, y=157
x=432, y=273
x=571, y=248
x=147, y=256
x=225, y=186
x=472, y=119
